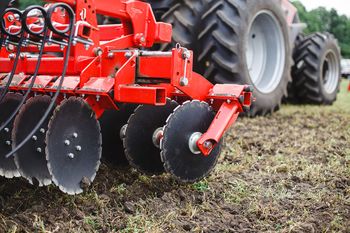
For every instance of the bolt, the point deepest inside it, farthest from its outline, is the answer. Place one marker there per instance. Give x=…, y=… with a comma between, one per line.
x=10, y=18
x=7, y=130
x=78, y=148
x=71, y=155
x=228, y=101
x=42, y=130
x=110, y=55
x=75, y=135
x=183, y=81
x=35, y=138
x=86, y=46
x=39, y=150
x=142, y=39
x=98, y=98
x=67, y=142
x=8, y=143
x=12, y=56
x=186, y=54
x=128, y=54
x=208, y=145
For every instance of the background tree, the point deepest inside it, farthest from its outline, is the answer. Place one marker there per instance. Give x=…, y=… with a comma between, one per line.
x=321, y=20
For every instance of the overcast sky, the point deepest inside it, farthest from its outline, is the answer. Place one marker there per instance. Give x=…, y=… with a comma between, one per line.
x=342, y=6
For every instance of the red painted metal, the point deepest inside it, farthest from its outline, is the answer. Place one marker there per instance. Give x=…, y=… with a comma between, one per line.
x=107, y=66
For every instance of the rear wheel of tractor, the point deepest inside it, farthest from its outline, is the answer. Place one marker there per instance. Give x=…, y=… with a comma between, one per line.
x=317, y=72
x=247, y=42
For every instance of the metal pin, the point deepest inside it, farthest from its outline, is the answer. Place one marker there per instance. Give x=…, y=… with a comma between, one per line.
x=71, y=155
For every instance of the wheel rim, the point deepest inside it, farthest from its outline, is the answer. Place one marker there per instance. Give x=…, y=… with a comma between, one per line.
x=265, y=52
x=330, y=72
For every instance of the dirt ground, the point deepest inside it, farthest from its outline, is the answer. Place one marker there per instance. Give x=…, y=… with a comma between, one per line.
x=289, y=172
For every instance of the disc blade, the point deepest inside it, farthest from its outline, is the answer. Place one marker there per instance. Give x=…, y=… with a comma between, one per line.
x=111, y=123
x=187, y=120
x=73, y=145
x=31, y=159
x=140, y=149
x=9, y=104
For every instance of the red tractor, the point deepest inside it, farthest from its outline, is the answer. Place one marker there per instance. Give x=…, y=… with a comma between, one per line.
x=69, y=86
x=259, y=42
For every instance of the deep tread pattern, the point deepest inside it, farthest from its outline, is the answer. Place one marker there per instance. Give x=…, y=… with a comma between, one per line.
x=185, y=16
x=309, y=57
x=222, y=39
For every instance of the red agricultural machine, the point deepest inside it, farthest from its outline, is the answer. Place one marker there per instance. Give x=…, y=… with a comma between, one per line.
x=61, y=73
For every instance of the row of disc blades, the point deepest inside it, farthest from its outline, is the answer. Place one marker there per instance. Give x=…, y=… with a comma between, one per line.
x=67, y=148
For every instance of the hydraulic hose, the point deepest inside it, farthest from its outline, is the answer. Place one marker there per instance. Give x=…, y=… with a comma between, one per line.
x=70, y=37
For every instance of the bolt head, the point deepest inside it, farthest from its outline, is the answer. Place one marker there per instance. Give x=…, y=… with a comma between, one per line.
x=42, y=130
x=184, y=81
x=71, y=155
x=35, y=138
x=7, y=130
x=67, y=142
x=39, y=150
x=75, y=135
x=78, y=148
x=8, y=143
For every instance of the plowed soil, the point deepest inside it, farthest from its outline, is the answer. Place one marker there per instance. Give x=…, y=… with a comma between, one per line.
x=289, y=172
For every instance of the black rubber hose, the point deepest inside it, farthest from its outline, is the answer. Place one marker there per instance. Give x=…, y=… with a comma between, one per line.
x=65, y=66
x=36, y=71
x=18, y=52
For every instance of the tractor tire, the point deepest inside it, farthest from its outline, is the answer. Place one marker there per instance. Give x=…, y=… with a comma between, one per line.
x=247, y=42
x=185, y=17
x=317, y=70
x=160, y=7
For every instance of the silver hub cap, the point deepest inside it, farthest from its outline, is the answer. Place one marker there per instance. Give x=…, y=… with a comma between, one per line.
x=265, y=52
x=192, y=143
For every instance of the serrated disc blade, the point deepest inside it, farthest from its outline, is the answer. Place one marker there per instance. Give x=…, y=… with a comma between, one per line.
x=9, y=104
x=111, y=123
x=73, y=145
x=31, y=159
x=139, y=147
x=187, y=119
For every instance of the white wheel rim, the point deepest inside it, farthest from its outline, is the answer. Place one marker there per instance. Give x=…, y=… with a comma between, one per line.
x=330, y=72
x=265, y=52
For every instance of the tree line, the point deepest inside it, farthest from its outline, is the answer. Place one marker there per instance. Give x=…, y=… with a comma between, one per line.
x=323, y=20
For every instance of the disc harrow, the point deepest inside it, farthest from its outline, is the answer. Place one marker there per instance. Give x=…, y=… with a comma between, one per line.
x=67, y=85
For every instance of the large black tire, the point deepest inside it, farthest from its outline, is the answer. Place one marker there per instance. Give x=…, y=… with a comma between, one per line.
x=317, y=70
x=160, y=7
x=185, y=16
x=224, y=39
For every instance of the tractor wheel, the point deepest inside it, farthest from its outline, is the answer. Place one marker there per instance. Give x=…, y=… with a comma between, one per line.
x=317, y=72
x=247, y=42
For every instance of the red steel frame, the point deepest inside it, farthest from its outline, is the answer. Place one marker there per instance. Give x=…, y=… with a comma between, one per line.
x=90, y=68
